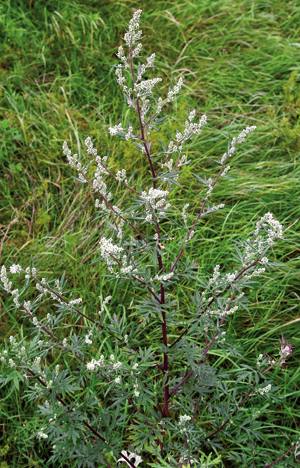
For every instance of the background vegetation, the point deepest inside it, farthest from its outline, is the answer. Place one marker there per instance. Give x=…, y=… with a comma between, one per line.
x=240, y=59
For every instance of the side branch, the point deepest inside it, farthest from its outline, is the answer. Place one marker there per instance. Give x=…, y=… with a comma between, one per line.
x=85, y=423
x=213, y=299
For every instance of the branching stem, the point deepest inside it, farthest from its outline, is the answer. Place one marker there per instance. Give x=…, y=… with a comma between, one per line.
x=164, y=329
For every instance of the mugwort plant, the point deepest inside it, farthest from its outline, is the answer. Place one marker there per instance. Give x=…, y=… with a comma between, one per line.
x=142, y=388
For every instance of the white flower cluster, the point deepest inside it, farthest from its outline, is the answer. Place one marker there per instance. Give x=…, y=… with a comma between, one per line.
x=73, y=302
x=110, y=252
x=129, y=134
x=18, y=350
x=131, y=38
x=134, y=34
x=116, y=130
x=104, y=303
x=15, y=269
x=155, y=203
x=188, y=461
x=260, y=360
x=145, y=88
x=172, y=93
x=143, y=67
x=136, y=391
x=183, y=423
x=111, y=367
x=113, y=256
x=218, y=282
x=211, y=182
x=44, y=288
x=190, y=128
x=121, y=176
x=215, y=276
x=88, y=338
x=268, y=230
x=228, y=311
x=121, y=80
x=164, y=277
x=183, y=419
x=94, y=364
x=212, y=209
x=273, y=227
x=171, y=165
x=184, y=213
x=142, y=89
x=233, y=144
x=41, y=434
x=265, y=361
x=120, y=131
x=99, y=184
x=75, y=163
x=265, y=390
x=7, y=284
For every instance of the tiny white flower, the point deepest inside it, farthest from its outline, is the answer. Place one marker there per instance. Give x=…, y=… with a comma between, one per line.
x=136, y=391
x=121, y=175
x=35, y=321
x=183, y=419
x=15, y=269
x=265, y=390
x=264, y=261
x=234, y=142
x=7, y=285
x=87, y=338
x=164, y=277
x=116, y=130
x=91, y=366
x=230, y=277
x=94, y=364
x=41, y=434
x=117, y=365
x=75, y=301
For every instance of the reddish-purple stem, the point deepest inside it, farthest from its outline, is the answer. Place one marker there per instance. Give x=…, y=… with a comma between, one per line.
x=165, y=366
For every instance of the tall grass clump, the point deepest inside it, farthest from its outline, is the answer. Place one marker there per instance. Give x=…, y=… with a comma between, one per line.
x=146, y=386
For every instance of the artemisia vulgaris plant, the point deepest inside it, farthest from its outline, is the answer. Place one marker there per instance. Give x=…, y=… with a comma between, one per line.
x=140, y=389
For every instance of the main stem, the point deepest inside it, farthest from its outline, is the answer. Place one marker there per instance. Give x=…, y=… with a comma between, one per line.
x=162, y=296
x=165, y=367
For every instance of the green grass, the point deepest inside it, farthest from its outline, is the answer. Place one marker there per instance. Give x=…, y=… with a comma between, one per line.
x=240, y=59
